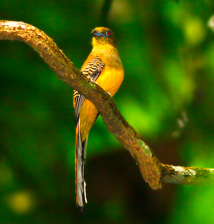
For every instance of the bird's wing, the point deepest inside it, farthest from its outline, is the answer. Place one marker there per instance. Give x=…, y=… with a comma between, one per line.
x=91, y=70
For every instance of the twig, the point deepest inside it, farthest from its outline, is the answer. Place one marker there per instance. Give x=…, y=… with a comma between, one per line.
x=105, y=12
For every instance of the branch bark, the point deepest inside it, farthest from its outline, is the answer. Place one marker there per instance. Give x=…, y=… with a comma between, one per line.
x=152, y=170
x=186, y=175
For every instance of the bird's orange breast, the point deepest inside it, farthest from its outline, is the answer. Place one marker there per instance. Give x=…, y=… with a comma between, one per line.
x=109, y=79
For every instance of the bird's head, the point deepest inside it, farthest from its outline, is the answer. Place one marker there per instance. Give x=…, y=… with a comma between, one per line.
x=102, y=36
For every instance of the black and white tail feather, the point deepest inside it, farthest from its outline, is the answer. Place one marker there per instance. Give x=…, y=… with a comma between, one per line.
x=92, y=70
x=80, y=162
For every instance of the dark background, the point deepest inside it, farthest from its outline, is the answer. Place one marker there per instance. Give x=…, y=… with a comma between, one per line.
x=167, y=95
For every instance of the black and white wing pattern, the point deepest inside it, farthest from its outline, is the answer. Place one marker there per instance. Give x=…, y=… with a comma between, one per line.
x=92, y=70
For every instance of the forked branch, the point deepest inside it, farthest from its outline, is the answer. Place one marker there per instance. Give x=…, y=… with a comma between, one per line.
x=152, y=170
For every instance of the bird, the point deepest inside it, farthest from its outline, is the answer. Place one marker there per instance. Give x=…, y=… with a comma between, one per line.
x=103, y=66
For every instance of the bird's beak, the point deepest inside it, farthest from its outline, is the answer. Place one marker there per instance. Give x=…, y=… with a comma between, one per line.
x=97, y=33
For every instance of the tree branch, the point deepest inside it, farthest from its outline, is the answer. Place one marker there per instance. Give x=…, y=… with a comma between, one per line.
x=152, y=170
x=186, y=175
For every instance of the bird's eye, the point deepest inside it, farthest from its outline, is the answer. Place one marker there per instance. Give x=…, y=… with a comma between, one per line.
x=108, y=33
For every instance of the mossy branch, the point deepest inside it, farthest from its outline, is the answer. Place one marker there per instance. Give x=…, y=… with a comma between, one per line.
x=152, y=170
x=186, y=175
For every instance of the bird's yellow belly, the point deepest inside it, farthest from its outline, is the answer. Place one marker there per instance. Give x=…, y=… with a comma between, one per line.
x=110, y=80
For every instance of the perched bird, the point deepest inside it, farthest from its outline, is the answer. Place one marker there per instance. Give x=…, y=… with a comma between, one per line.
x=104, y=66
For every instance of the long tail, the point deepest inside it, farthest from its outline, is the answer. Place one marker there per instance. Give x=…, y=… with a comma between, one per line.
x=80, y=183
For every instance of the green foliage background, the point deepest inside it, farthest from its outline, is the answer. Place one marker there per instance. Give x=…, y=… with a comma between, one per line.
x=167, y=51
